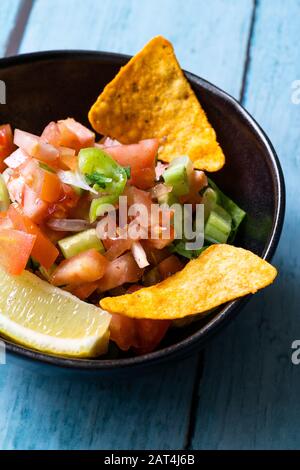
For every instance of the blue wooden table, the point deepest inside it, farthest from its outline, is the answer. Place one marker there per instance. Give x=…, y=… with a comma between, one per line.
x=243, y=392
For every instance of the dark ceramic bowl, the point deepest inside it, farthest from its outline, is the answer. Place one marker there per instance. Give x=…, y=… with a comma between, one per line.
x=53, y=85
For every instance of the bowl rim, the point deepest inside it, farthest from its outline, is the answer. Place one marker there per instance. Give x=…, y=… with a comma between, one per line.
x=228, y=312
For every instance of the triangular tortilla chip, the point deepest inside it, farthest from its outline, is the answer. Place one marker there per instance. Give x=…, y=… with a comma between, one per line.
x=220, y=274
x=150, y=97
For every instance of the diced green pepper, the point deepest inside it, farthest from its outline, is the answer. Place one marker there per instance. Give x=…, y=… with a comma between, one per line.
x=209, y=199
x=214, y=235
x=168, y=199
x=103, y=171
x=82, y=241
x=105, y=175
x=231, y=207
x=178, y=174
x=179, y=247
x=218, y=226
x=99, y=206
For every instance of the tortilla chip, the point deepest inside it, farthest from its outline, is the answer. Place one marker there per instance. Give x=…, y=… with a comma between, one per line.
x=150, y=97
x=220, y=274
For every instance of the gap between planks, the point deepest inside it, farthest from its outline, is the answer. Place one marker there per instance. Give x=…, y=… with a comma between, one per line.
x=248, y=51
x=16, y=35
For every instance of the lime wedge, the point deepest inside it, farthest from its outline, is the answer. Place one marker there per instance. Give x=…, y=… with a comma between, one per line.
x=43, y=317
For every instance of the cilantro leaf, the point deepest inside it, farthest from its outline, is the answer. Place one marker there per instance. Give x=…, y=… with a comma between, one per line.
x=127, y=171
x=98, y=178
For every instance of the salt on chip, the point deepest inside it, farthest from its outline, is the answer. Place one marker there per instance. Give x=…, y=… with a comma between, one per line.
x=150, y=97
x=220, y=274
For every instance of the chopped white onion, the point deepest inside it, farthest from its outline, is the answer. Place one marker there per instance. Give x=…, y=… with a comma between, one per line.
x=16, y=159
x=159, y=169
x=68, y=225
x=139, y=255
x=108, y=142
x=7, y=174
x=75, y=179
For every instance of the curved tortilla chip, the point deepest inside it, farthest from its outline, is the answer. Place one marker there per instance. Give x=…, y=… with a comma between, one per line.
x=220, y=274
x=150, y=97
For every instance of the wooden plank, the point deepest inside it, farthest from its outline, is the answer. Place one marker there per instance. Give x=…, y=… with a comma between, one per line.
x=250, y=391
x=125, y=414
x=154, y=411
x=210, y=37
x=8, y=16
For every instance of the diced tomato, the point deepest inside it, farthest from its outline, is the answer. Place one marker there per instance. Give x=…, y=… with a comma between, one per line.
x=121, y=270
x=15, y=249
x=16, y=159
x=84, y=290
x=138, y=196
x=51, y=187
x=150, y=333
x=51, y=134
x=143, y=178
x=70, y=198
x=67, y=137
x=75, y=135
x=68, y=159
x=36, y=147
x=162, y=235
x=6, y=143
x=68, y=203
x=169, y=266
x=5, y=221
x=32, y=174
x=142, y=335
x=53, y=235
x=141, y=159
x=88, y=266
x=33, y=206
x=116, y=247
x=198, y=181
x=43, y=250
x=161, y=239
x=165, y=217
x=45, y=184
x=123, y=331
x=81, y=208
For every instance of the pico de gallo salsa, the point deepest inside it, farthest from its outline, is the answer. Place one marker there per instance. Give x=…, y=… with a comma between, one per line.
x=55, y=190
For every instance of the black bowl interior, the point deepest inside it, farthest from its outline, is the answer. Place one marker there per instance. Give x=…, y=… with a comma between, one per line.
x=49, y=86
